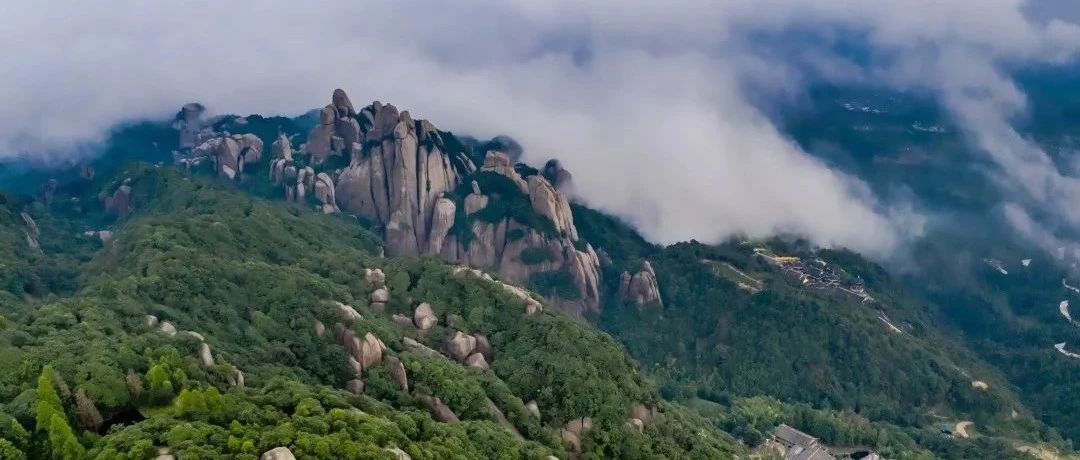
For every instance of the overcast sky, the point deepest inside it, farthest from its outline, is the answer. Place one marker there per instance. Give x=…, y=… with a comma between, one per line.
x=645, y=102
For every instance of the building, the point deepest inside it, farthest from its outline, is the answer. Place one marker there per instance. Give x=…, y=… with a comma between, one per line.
x=799, y=445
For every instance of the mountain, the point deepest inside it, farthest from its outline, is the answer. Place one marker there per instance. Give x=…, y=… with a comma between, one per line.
x=358, y=283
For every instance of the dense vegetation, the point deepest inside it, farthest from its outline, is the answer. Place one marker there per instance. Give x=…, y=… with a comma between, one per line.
x=82, y=375
x=717, y=341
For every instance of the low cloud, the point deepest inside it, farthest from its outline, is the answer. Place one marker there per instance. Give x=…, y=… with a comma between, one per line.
x=645, y=102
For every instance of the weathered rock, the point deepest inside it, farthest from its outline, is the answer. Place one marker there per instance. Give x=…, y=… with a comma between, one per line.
x=348, y=312
x=476, y=201
x=355, y=386
x=571, y=438
x=342, y=105
x=500, y=163
x=380, y=295
x=460, y=346
x=642, y=288
x=31, y=225
x=105, y=236
x=119, y=203
x=579, y=425
x=375, y=277
x=397, y=371
x=371, y=350
x=398, y=453
x=358, y=369
x=251, y=149
x=636, y=425
x=402, y=320
x=484, y=347
x=164, y=453
x=278, y=453
x=476, y=360
x=189, y=121
x=501, y=419
x=320, y=138
x=168, y=328
x=554, y=173
x=439, y=411
x=642, y=412
x=320, y=329
x=533, y=408
x=197, y=335
x=398, y=178
x=151, y=321
x=419, y=347
x=235, y=377
x=205, y=357
x=324, y=192
x=424, y=317
x=442, y=219
x=550, y=203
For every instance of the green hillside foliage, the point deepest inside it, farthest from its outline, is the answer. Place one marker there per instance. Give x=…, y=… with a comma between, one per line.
x=720, y=341
x=82, y=375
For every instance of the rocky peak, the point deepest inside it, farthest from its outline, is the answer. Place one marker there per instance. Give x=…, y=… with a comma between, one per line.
x=189, y=121
x=410, y=180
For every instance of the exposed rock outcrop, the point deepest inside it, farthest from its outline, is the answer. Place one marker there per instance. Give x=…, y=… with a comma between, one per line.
x=439, y=410
x=398, y=453
x=229, y=153
x=424, y=317
x=460, y=346
x=355, y=386
x=379, y=298
x=205, y=357
x=337, y=130
x=533, y=408
x=397, y=371
x=641, y=288
x=278, y=453
x=371, y=350
x=477, y=361
x=189, y=122
x=32, y=233
x=405, y=177
x=347, y=312
x=119, y=202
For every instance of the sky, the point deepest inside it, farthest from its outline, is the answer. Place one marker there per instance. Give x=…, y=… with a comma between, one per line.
x=650, y=104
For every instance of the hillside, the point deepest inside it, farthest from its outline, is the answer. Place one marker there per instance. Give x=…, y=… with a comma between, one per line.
x=351, y=281
x=253, y=281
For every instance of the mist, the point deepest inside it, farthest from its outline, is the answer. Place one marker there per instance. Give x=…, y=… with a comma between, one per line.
x=647, y=103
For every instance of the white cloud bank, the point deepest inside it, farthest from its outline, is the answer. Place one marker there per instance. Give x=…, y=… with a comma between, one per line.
x=641, y=100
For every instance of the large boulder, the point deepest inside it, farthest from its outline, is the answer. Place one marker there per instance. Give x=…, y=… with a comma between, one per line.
x=640, y=288
x=460, y=346
x=398, y=453
x=355, y=386
x=278, y=454
x=424, y=317
x=371, y=350
x=439, y=411
x=324, y=192
x=397, y=371
x=375, y=277
x=477, y=361
x=484, y=347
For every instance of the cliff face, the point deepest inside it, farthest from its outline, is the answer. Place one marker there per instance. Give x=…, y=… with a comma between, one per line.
x=421, y=188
